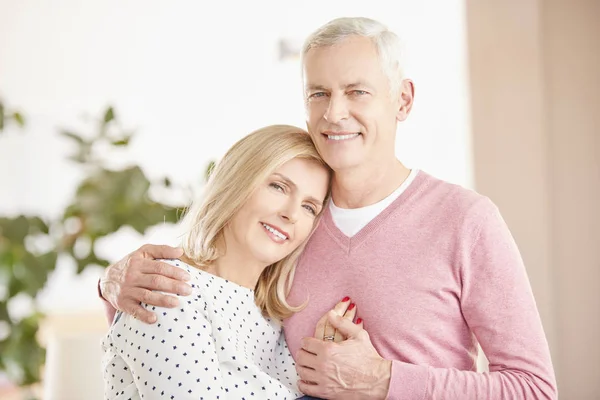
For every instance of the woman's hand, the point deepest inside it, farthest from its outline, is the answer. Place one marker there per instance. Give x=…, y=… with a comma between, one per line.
x=325, y=331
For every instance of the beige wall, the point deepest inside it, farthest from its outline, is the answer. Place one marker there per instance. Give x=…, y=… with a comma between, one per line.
x=535, y=93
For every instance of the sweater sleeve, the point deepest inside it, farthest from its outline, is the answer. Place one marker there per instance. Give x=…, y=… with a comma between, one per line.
x=109, y=311
x=498, y=305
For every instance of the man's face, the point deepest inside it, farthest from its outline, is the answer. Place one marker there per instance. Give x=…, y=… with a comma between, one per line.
x=351, y=115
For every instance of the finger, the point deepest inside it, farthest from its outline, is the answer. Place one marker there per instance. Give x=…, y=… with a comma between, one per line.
x=308, y=374
x=304, y=359
x=349, y=315
x=155, y=299
x=160, y=251
x=350, y=312
x=309, y=389
x=347, y=328
x=340, y=308
x=314, y=346
x=360, y=323
x=161, y=268
x=163, y=284
x=139, y=312
x=320, y=328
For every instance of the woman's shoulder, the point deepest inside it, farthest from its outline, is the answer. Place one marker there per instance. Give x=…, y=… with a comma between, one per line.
x=182, y=264
x=197, y=275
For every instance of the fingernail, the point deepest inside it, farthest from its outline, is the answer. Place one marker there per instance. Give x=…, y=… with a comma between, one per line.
x=358, y=321
x=185, y=276
x=345, y=299
x=351, y=306
x=186, y=290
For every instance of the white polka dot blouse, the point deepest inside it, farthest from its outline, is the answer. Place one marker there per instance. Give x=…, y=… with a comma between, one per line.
x=215, y=345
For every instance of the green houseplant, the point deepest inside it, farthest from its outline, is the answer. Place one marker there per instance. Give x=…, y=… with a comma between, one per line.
x=105, y=201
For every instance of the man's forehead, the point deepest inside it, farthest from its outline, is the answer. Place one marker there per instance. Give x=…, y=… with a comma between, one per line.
x=341, y=84
x=323, y=59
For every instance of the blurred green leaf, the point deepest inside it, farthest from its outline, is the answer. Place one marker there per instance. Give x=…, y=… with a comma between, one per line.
x=83, y=154
x=209, y=170
x=122, y=142
x=1, y=117
x=73, y=136
x=19, y=119
x=109, y=115
x=90, y=259
x=22, y=359
x=15, y=230
x=3, y=311
x=38, y=224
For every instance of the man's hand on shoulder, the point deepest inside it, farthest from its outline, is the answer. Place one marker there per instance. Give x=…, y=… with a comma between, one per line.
x=135, y=278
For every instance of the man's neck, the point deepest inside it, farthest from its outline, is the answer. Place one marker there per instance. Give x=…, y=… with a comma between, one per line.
x=368, y=184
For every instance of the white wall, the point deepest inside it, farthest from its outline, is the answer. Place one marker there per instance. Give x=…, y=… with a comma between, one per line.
x=192, y=81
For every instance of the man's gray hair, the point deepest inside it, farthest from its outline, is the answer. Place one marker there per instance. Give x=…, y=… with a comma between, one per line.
x=387, y=43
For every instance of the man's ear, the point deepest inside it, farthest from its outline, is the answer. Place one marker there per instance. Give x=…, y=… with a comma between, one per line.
x=406, y=97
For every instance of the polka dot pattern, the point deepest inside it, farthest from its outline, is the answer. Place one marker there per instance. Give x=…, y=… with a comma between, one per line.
x=215, y=345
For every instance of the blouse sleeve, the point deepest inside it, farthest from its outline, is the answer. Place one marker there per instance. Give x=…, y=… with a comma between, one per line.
x=172, y=358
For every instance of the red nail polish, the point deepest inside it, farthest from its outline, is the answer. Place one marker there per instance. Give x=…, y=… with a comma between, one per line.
x=351, y=306
x=358, y=321
x=345, y=299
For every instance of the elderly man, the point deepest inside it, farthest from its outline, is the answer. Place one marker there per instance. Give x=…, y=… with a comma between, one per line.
x=431, y=266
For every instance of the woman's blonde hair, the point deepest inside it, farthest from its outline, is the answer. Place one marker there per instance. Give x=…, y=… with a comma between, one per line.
x=246, y=165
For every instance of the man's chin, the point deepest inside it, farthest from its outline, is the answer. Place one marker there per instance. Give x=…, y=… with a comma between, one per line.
x=340, y=166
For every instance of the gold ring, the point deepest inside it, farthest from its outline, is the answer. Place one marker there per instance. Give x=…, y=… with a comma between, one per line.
x=329, y=337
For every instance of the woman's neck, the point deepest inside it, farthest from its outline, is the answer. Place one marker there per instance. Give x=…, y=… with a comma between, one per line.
x=233, y=269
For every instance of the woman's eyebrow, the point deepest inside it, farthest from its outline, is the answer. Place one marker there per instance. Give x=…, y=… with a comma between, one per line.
x=293, y=185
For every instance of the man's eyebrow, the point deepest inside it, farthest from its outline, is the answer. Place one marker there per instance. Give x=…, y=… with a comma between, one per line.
x=311, y=87
x=293, y=185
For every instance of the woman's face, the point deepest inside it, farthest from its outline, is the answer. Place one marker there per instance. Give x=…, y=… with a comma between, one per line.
x=280, y=214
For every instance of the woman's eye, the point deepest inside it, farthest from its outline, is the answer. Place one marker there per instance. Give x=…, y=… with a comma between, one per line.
x=311, y=209
x=277, y=186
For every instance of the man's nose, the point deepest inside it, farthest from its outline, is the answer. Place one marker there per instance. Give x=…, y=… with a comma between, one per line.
x=337, y=110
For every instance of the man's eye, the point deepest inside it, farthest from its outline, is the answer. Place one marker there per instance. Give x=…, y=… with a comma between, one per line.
x=317, y=94
x=359, y=92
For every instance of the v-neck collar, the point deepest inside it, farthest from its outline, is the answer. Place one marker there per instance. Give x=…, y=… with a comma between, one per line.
x=349, y=243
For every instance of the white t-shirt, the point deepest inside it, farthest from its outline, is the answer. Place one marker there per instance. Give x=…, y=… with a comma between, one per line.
x=215, y=345
x=351, y=220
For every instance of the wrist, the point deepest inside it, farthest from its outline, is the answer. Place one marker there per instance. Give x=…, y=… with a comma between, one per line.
x=100, y=290
x=383, y=376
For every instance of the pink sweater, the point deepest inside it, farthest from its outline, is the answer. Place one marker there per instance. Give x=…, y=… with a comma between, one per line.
x=433, y=274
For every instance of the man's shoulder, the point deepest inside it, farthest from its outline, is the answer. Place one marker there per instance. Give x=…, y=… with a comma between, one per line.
x=452, y=203
x=451, y=196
